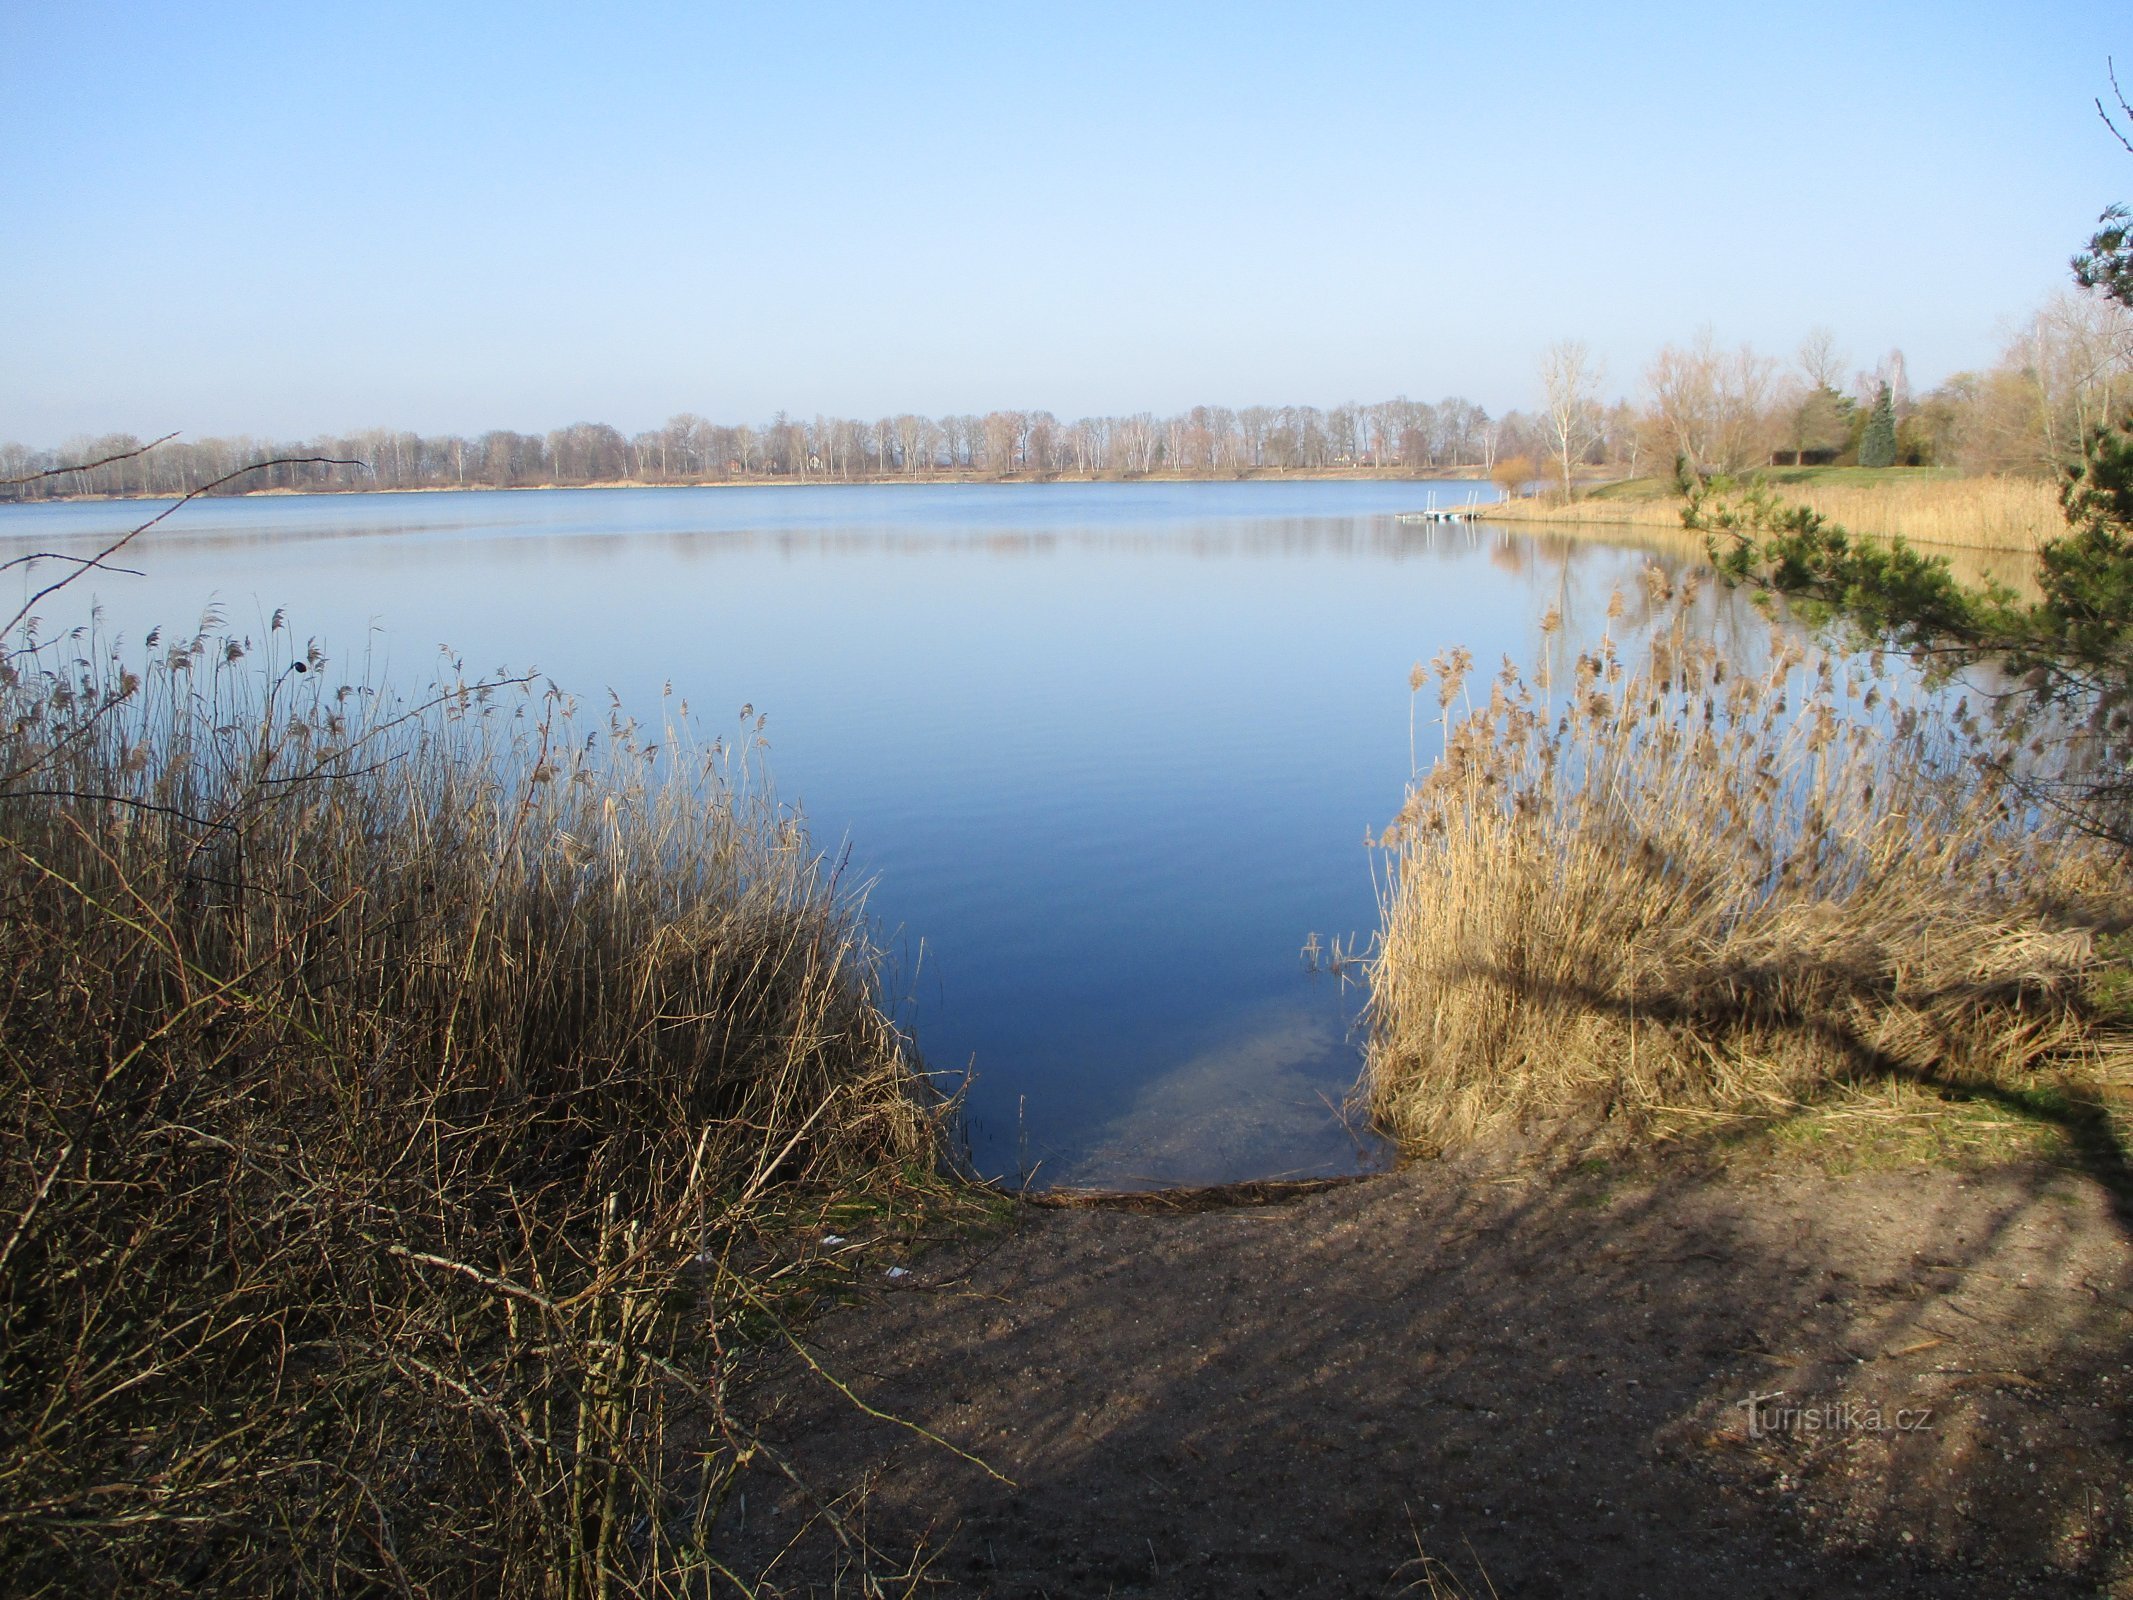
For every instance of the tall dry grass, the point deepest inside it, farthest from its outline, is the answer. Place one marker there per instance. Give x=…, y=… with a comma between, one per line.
x=1682, y=887
x=1654, y=511
x=2014, y=515
x=405, y=1107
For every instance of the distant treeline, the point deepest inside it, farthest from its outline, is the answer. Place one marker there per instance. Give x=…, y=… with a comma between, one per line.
x=1700, y=405
x=1214, y=441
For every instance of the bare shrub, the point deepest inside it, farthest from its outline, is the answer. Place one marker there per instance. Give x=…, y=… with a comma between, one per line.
x=1681, y=886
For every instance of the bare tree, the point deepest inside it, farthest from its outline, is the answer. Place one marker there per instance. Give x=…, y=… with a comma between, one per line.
x=1138, y=440
x=2075, y=359
x=1040, y=442
x=1003, y=431
x=1570, y=381
x=1713, y=404
x=1819, y=360
x=1626, y=438
x=910, y=434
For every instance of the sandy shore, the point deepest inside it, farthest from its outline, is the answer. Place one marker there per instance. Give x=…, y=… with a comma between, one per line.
x=1539, y=1374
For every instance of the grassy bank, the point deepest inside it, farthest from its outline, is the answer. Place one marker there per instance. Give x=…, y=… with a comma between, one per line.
x=411, y=1112
x=1918, y=504
x=1674, y=889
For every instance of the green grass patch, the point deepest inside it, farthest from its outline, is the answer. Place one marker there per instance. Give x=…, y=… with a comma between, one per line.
x=1853, y=477
x=1631, y=489
x=1663, y=487
x=2079, y=1126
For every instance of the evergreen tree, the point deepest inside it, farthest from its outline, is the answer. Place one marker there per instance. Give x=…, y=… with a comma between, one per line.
x=2065, y=657
x=1877, y=446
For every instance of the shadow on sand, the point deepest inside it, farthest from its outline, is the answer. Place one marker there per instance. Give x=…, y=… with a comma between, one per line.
x=1515, y=1360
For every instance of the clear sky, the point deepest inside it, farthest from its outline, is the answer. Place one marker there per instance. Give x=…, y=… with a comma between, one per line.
x=280, y=219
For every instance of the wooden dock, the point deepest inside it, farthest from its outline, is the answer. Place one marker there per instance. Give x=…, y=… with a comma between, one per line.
x=1466, y=511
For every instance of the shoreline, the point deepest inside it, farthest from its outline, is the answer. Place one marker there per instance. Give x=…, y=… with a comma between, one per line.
x=1655, y=515
x=936, y=480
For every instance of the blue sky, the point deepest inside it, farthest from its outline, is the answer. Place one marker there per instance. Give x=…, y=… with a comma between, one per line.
x=229, y=218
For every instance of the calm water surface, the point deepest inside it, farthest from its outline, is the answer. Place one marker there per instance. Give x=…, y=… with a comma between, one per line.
x=1107, y=752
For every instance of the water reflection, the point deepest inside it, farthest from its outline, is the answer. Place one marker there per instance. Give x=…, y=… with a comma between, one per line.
x=1107, y=754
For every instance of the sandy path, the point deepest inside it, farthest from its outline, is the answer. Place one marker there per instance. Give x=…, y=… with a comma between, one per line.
x=1544, y=1372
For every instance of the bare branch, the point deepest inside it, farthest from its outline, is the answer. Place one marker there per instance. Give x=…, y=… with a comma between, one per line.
x=125, y=539
x=2119, y=95
x=57, y=555
x=84, y=466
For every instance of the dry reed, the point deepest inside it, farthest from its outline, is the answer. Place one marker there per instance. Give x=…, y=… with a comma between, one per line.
x=2016, y=514
x=406, y=1106
x=2001, y=514
x=1688, y=887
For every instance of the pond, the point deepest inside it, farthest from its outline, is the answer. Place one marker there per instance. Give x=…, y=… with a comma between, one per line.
x=1107, y=754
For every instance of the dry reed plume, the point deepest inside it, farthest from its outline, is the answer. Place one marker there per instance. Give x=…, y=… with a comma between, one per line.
x=404, y=1109
x=1682, y=887
x=2006, y=514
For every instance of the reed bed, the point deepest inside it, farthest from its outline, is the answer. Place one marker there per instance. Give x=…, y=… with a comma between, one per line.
x=2014, y=515
x=1655, y=510
x=410, y=1109
x=1681, y=887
